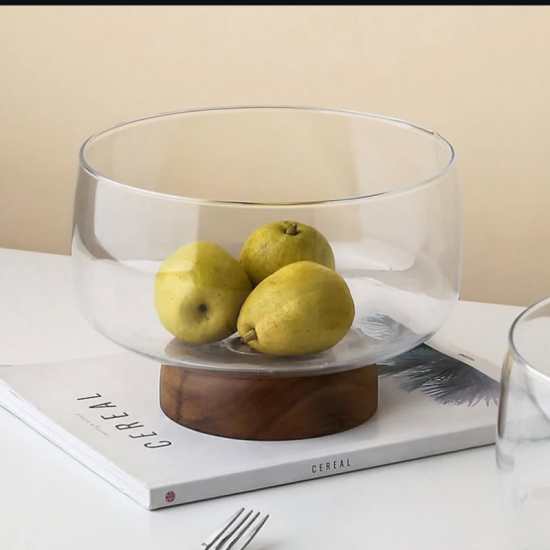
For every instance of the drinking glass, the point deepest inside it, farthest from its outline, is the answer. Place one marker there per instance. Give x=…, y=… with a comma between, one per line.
x=523, y=434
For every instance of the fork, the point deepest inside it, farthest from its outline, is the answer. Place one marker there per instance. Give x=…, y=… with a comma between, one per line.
x=239, y=528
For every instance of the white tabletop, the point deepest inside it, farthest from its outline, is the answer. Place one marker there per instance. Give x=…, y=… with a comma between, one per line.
x=49, y=501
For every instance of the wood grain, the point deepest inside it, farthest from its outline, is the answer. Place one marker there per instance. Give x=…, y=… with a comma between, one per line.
x=268, y=409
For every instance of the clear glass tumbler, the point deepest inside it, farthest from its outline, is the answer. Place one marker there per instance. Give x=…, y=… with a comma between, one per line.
x=523, y=434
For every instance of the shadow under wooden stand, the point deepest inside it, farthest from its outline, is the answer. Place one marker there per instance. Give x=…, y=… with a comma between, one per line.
x=268, y=409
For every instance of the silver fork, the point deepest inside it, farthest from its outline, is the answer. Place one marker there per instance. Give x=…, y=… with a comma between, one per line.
x=239, y=528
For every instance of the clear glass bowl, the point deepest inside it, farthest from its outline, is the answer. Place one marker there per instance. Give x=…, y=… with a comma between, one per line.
x=383, y=192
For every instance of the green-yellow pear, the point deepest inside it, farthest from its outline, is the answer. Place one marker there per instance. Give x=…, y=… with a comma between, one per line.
x=277, y=244
x=199, y=290
x=302, y=308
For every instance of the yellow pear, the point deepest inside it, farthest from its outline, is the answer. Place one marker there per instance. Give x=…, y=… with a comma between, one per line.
x=199, y=290
x=277, y=244
x=302, y=308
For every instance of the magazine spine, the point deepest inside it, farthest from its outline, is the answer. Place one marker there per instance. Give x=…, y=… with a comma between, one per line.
x=163, y=496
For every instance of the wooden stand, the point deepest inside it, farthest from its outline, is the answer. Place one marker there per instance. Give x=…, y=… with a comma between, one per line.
x=269, y=409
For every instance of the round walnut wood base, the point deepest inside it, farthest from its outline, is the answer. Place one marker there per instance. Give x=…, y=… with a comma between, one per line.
x=268, y=409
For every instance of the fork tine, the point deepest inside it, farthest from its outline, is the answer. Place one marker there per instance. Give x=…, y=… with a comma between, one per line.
x=231, y=531
x=250, y=534
x=242, y=531
x=208, y=543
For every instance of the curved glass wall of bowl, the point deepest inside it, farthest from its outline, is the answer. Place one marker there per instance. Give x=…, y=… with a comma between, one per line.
x=383, y=192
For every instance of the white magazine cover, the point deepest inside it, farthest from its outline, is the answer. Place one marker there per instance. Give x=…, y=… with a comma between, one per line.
x=105, y=412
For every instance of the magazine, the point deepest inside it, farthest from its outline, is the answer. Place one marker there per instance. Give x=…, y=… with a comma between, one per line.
x=104, y=411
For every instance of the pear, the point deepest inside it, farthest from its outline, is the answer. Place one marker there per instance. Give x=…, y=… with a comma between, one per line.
x=277, y=244
x=300, y=309
x=199, y=290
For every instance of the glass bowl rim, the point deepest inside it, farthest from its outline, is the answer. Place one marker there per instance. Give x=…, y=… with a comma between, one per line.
x=341, y=200
x=512, y=346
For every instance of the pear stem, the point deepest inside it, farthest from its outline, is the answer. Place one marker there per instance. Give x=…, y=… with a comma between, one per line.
x=292, y=229
x=249, y=336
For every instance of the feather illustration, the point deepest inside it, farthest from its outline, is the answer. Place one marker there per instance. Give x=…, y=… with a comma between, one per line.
x=445, y=379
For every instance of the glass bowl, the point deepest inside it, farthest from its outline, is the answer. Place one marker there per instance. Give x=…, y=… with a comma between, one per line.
x=383, y=192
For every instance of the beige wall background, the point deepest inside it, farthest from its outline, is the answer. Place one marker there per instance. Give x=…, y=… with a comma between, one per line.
x=478, y=75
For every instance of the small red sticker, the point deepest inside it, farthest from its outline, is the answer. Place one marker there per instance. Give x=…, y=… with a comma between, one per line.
x=170, y=496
